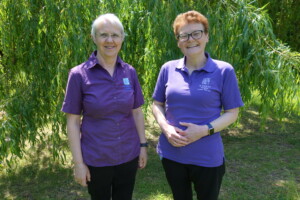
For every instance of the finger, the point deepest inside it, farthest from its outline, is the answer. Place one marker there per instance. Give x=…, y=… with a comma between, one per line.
x=142, y=165
x=179, y=136
x=184, y=124
x=179, y=145
x=177, y=129
x=180, y=131
x=83, y=182
x=140, y=162
x=176, y=143
x=145, y=162
x=181, y=141
x=88, y=176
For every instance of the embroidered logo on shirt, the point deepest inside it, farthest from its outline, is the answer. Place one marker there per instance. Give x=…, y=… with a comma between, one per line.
x=206, y=81
x=205, y=85
x=126, y=85
x=126, y=81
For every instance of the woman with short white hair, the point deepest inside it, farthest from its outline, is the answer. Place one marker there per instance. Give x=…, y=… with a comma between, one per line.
x=105, y=122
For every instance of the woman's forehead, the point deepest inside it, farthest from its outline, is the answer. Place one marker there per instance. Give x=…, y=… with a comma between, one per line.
x=191, y=26
x=108, y=27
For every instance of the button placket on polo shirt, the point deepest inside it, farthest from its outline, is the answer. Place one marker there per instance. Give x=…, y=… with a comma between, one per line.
x=116, y=98
x=188, y=76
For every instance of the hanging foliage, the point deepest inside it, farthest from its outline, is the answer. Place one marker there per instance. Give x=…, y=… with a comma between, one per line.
x=285, y=20
x=41, y=40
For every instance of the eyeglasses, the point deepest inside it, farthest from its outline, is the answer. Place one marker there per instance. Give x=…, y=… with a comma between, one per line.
x=113, y=36
x=196, y=35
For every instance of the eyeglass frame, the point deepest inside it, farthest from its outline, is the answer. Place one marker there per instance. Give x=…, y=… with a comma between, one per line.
x=113, y=36
x=190, y=35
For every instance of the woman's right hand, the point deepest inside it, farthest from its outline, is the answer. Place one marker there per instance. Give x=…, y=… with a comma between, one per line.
x=173, y=136
x=171, y=132
x=82, y=174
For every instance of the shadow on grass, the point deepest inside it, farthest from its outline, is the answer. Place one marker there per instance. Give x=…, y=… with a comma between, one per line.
x=38, y=177
x=260, y=165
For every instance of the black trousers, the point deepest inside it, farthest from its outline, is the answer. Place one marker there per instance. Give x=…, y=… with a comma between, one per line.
x=113, y=182
x=206, y=180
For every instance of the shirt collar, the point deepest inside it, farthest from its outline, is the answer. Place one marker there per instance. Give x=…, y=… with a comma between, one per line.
x=208, y=67
x=93, y=61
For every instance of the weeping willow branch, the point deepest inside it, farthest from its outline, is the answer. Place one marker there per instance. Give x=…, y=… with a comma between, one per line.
x=41, y=40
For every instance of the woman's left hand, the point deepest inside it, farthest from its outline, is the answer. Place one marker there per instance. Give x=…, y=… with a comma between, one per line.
x=193, y=132
x=143, y=158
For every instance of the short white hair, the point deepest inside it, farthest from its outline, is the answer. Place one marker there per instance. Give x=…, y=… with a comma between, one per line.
x=109, y=17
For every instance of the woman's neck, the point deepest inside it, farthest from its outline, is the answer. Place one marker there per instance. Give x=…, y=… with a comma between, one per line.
x=107, y=62
x=194, y=63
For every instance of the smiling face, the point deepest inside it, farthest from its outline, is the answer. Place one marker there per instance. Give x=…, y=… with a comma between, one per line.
x=192, y=47
x=108, y=39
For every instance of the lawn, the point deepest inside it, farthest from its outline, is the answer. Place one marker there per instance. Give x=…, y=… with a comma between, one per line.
x=262, y=165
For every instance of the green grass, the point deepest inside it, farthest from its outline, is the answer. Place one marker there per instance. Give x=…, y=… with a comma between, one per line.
x=259, y=165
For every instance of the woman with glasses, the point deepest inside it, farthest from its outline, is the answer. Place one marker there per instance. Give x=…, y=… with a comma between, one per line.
x=194, y=99
x=105, y=122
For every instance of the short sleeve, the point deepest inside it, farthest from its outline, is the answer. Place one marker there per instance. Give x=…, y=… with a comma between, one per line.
x=138, y=94
x=73, y=99
x=159, y=93
x=231, y=96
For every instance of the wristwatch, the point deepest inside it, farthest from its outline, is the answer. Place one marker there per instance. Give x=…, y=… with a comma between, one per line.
x=211, y=129
x=144, y=144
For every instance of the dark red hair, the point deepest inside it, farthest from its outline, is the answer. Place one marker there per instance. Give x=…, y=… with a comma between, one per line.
x=190, y=17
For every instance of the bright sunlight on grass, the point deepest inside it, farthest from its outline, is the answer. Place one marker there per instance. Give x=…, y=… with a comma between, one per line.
x=260, y=165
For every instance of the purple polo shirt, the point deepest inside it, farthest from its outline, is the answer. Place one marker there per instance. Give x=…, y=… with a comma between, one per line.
x=197, y=98
x=108, y=133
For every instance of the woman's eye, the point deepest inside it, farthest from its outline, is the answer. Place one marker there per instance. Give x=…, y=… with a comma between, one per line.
x=103, y=35
x=115, y=35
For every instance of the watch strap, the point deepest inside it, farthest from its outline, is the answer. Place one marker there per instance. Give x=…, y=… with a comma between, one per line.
x=211, y=129
x=144, y=144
